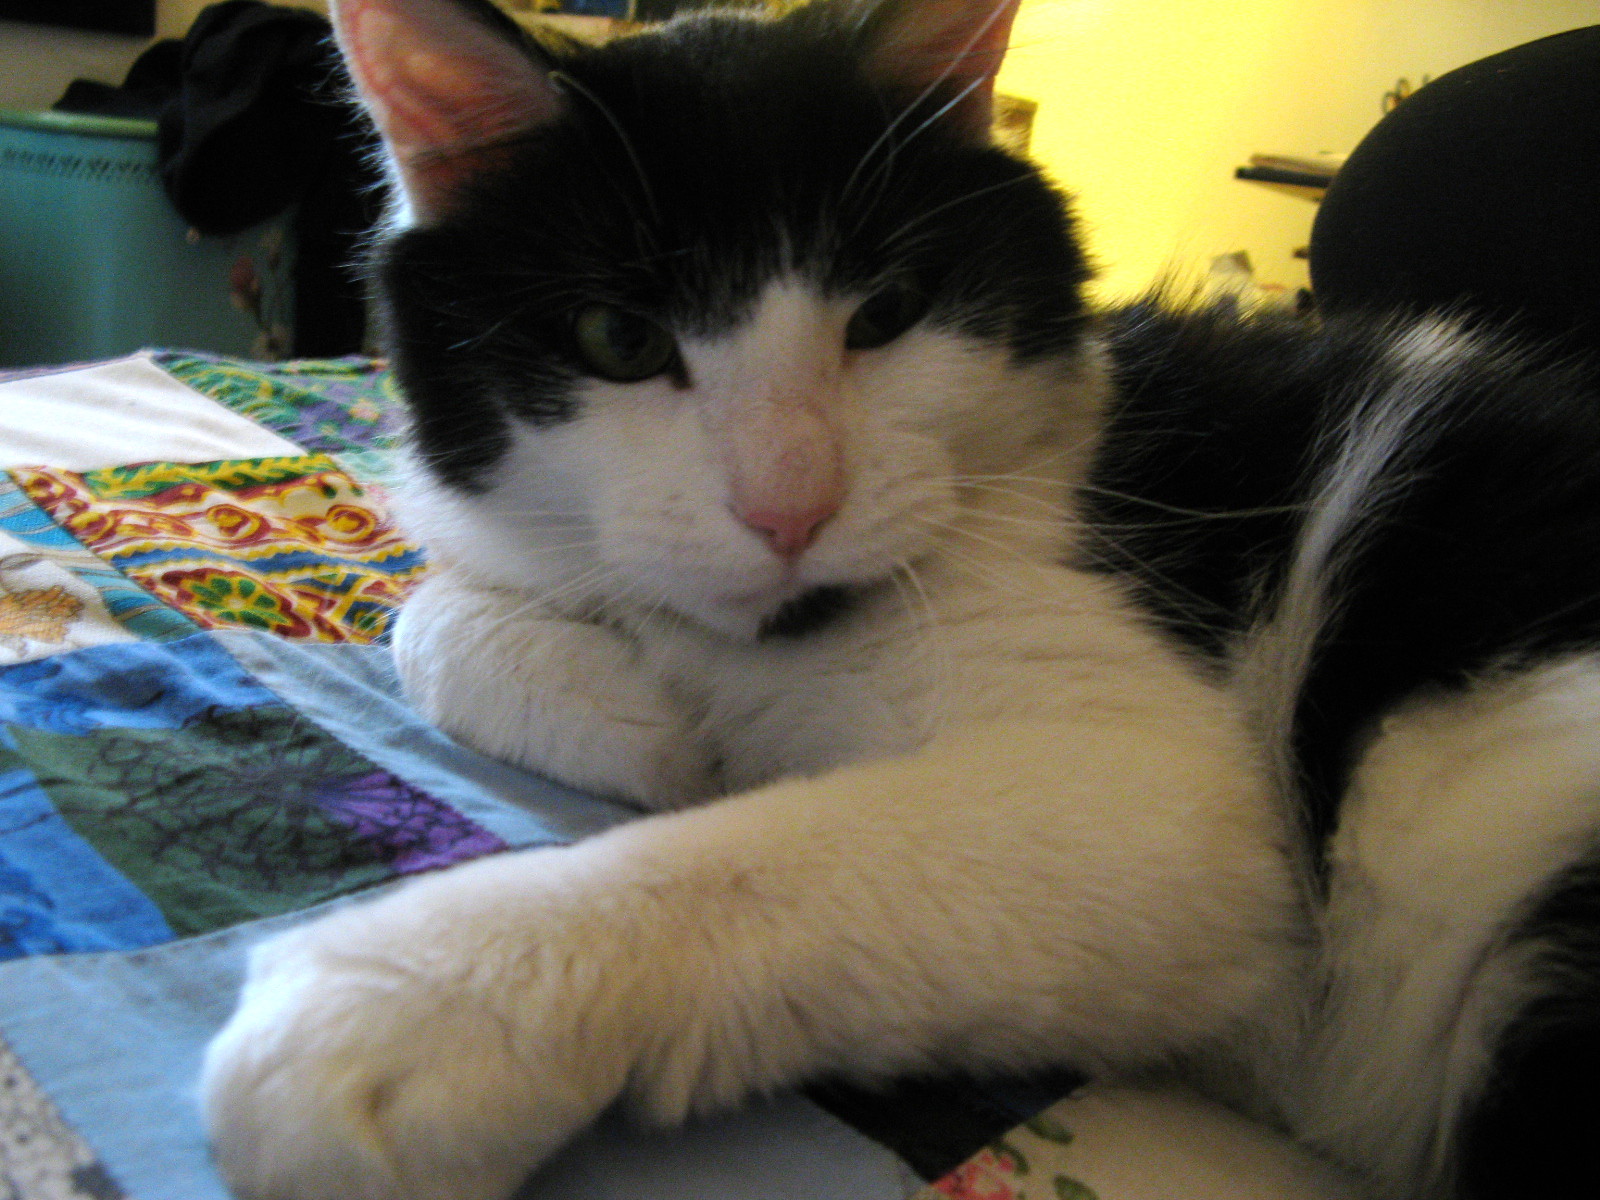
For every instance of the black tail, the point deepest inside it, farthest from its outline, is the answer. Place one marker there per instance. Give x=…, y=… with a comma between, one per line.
x=1535, y=1128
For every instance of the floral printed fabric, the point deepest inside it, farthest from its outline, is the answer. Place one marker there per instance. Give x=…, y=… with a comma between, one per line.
x=1124, y=1142
x=45, y=609
x=151, y=791
x=289, y=546
x=26, y=530
x=157, y=800
x=346, y=407
x=1026, y=1164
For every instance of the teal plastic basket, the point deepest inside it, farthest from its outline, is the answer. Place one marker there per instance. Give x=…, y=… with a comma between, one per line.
x=95, y=262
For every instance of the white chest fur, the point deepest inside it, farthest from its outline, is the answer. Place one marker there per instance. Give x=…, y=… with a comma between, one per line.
x=925, y=653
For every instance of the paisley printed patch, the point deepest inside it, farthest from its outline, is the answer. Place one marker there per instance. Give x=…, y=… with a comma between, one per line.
x=289, y=546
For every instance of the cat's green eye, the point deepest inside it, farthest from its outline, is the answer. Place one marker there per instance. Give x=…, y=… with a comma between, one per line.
x=884, y=316
x=620, y=345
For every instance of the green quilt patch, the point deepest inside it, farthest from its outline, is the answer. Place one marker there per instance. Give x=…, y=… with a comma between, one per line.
x=242, y=814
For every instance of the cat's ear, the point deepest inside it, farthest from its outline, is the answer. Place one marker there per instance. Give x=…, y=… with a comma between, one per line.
x=448, y=83
x=951, y=45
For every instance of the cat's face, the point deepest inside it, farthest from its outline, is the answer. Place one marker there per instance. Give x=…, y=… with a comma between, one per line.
x=716, y=318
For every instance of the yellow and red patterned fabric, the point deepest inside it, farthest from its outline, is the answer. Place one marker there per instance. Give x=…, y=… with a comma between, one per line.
x=288, y=546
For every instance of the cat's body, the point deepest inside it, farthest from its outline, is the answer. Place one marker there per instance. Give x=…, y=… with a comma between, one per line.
x=1132, y=694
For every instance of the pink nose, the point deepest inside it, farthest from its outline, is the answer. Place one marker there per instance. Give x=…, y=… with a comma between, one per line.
x=788, y=531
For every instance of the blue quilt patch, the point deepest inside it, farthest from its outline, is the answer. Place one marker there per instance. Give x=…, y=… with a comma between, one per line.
x=127, y=685
x=57, y=894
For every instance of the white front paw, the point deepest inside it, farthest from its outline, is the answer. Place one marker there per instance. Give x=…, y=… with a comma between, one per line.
x=561, y=697
x=353, y=1070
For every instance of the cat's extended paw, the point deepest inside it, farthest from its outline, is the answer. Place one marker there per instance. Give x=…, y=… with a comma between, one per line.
x=368, y=1062
x=560, y=697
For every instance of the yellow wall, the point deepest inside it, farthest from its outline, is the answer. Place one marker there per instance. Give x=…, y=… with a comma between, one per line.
x=1146, y=106
x=173, y=17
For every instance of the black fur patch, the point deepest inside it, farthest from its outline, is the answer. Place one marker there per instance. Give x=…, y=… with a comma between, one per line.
x=1528, y=1133
x=691, y=166
x=1481, y=556
x=809, y=612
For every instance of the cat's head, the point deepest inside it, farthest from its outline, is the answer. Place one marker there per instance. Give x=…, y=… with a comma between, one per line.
x=721, y=317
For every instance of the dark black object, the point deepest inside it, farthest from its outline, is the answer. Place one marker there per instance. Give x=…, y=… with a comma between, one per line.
x=137, y=17
x=260, y=123
x=247, y=131
x=151, y=84
x=935, y=1123
x=254, y=122
x=1479, y=190
x=1281, y=175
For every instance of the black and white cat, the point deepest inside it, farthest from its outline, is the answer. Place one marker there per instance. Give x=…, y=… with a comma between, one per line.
x=1148, y=693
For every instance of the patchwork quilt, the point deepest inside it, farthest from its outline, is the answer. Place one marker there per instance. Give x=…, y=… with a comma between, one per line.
x=201, y=741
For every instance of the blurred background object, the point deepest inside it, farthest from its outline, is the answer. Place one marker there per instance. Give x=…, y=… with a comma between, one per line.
x=1480, y=191
x=271, y=181
x=1142, y=109
x=94, y=261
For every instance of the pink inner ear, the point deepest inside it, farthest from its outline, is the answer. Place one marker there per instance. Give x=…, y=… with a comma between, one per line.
x=959, y=41
x=438, y=82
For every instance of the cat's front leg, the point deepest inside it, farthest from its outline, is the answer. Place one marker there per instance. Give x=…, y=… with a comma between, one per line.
x=432, y=1045
x=565, y=698
x=1017, y=896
